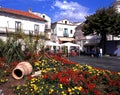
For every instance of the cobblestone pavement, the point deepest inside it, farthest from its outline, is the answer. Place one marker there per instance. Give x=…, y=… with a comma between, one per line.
x=106, y=62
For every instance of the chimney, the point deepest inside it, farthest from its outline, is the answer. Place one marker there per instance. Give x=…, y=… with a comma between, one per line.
x=30, y=10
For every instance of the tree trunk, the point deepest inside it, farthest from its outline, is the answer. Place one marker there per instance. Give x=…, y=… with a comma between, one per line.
x=103, y=42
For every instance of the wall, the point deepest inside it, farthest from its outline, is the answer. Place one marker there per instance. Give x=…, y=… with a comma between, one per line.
x=27, y=24
x=60, y=29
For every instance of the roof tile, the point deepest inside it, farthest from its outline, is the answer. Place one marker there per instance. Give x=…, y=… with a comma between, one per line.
x=21, y=13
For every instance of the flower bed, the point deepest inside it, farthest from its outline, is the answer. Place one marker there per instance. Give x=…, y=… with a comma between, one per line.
x=63, y=77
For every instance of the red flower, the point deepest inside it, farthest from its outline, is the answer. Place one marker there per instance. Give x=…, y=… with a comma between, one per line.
x=96, y=92
x=91, y=86
x=14, y=64
x=45, y=76
x=64, y=80
x=119, y=85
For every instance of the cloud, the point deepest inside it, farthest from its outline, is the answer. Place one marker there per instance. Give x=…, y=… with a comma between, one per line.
x=70, y=10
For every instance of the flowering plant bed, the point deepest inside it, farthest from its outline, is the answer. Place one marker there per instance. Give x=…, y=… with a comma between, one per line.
x=59, y=76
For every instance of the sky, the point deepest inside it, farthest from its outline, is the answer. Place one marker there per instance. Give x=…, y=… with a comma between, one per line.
x=73, y=10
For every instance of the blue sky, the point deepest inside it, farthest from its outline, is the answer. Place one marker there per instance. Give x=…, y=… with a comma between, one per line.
x=74, y=10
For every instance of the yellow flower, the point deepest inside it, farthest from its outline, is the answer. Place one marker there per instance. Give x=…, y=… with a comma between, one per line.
x=63, y=93
x=71, y=93
x=69, y=90
x=80, y=88
x=61, y=86
x=89, y=67
x=77, y=64
x=34, y=87
x=18, y=87
x=73, y=89
x=98, y=74
x=42, y=64
x=90, y=72
x=50, y=91
x=54, y=69
x=36, y=63
x=44, y=71
x=118, y=73
x=26, y=93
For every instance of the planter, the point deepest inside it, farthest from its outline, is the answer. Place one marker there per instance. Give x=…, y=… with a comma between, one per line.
x=23, y=68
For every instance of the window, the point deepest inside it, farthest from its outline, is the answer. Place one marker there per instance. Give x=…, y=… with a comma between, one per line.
x=36, y=29
x=18, y=26
x=65, y=22
x=65, y=33
x=43, y=16
x=71, y=31
x=60, y=29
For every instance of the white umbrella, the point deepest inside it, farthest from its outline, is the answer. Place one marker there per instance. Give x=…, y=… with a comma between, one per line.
x=50, y=43
x=68, y=44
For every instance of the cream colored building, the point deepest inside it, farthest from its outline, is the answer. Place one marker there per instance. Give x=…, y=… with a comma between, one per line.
x=16, y=21
x=47, y=23
x=63, y=31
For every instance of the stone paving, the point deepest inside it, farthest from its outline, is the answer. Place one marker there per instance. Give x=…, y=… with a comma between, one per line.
x=106, y=62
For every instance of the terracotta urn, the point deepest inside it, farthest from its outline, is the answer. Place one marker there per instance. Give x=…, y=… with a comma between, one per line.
x=22, y=69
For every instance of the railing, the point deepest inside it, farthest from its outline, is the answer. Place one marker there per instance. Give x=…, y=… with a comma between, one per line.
x=65, y=35
x=7, y=30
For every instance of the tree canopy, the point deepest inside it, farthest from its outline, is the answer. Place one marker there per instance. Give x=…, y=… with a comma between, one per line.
x=105, y=21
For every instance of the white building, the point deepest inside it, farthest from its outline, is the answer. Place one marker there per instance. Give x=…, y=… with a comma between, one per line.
x=63, y=30
x=16, y=21
x=47, y=24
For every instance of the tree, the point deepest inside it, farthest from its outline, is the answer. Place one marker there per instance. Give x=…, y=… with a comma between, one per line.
x=105, y=21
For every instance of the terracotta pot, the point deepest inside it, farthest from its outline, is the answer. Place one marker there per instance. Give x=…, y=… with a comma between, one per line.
x=23, y=68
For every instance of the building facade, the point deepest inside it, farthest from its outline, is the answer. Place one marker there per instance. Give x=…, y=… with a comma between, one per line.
x=63, y=31
x=47, y=23
x=16, y=21
x=86, y=42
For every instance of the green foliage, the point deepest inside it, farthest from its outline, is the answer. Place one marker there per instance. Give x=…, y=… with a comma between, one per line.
x=64, y=50
x=54, y=47
x=102, y=22
x=105, y=21
x=12, y=51
x=2, y=45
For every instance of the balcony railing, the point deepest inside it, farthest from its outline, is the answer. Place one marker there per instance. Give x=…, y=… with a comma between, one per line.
x=5, y=30
x=65, y=35
x=12, y=30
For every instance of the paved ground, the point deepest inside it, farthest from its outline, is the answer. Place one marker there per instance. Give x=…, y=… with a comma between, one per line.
x=106, y=62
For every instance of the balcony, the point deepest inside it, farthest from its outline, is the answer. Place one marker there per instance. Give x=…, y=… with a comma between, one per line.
x=4, y=31
x=65, y=35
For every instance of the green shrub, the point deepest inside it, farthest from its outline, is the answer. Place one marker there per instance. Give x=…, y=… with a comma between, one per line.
x=12, y=51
